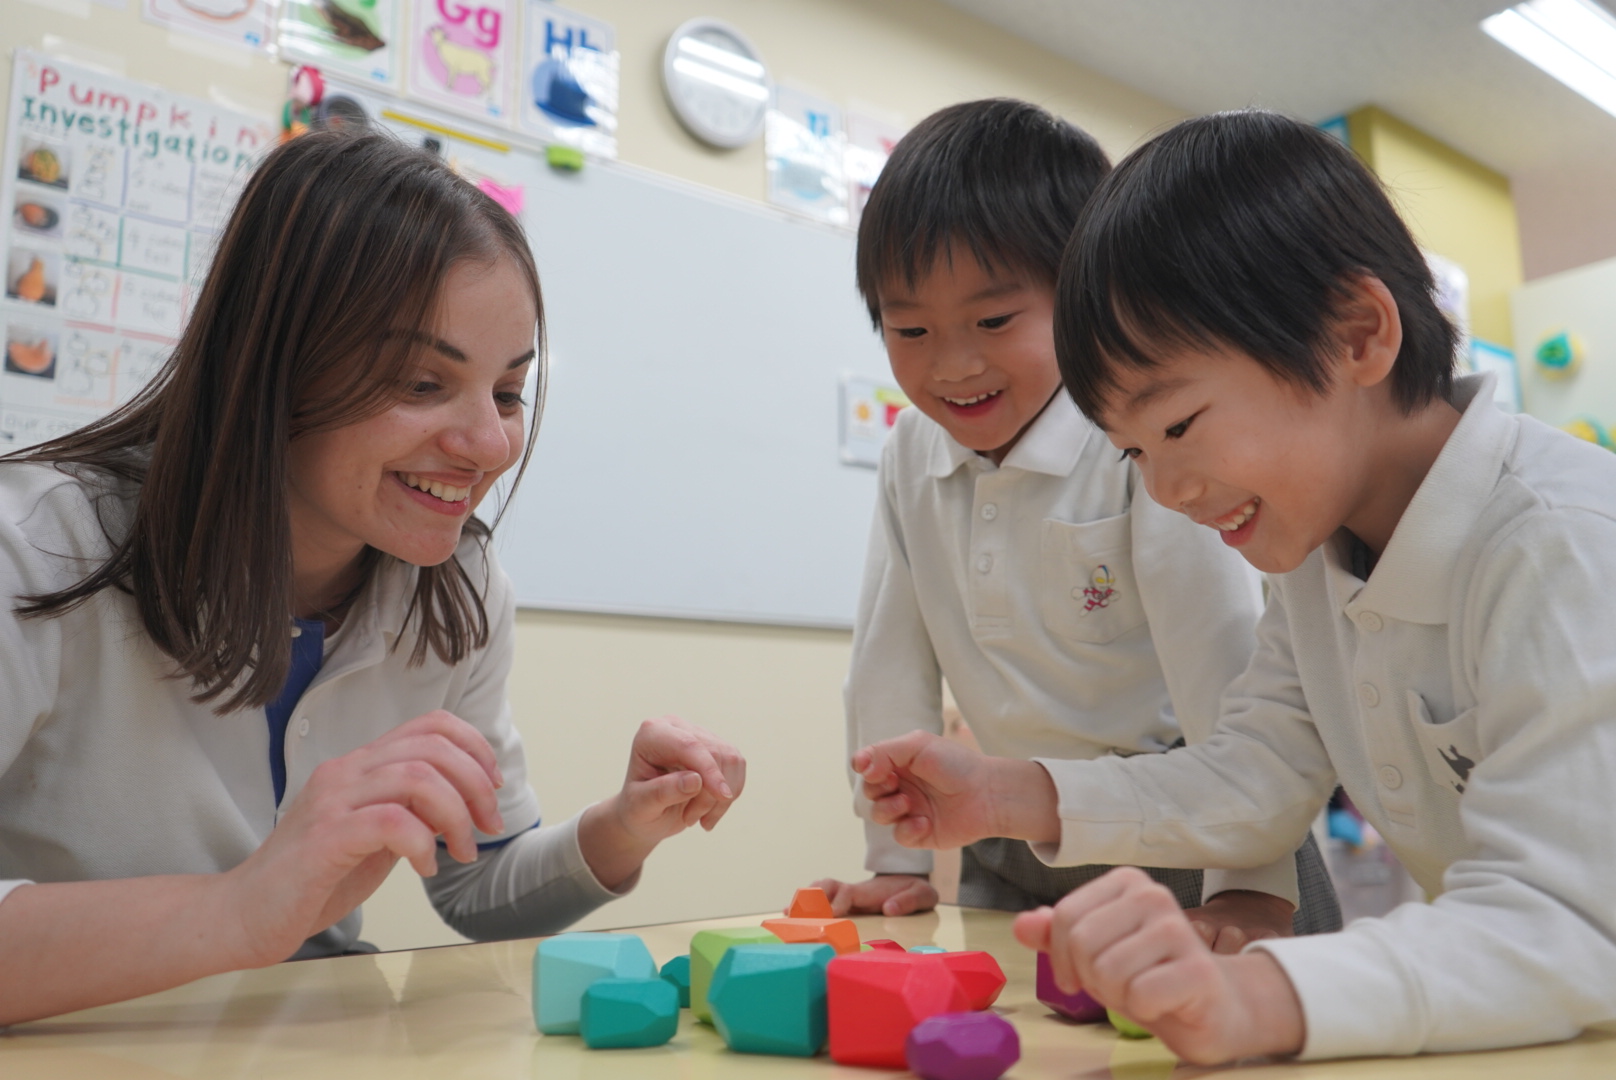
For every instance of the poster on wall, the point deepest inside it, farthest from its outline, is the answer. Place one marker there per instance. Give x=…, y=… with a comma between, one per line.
x=245, y=23
x=869, y=409
x=460, y=54
x=356, y=38
x=870, y=141
x=568, y=81
x=803, y=147
x=114, y=193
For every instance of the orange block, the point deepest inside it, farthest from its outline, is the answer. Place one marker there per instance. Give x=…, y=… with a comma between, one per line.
x=839, y=934
x=810, y=904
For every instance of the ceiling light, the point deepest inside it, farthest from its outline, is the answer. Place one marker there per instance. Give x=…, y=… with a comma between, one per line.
x=1573, y=40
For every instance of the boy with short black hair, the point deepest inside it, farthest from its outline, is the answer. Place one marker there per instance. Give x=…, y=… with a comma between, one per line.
x=1011, y=552
x=1245, y=314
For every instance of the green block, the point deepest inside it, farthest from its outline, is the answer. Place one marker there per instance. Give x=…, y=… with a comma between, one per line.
x=566, y=965
x=707, y=948
x=770, y=999
x=928, y=949
x=1125, y=1027
x=567, y=158
x=677, y=972
x=619, y=1013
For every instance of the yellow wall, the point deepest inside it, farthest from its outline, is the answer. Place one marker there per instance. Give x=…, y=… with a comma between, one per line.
x=582, y=682
x=1456, y=207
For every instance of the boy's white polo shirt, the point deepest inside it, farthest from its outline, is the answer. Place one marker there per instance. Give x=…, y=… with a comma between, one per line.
x=1465, y=697
x=109, y=770
x=1072, y=616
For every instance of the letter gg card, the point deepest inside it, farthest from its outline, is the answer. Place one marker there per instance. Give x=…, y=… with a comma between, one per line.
x=460, y=56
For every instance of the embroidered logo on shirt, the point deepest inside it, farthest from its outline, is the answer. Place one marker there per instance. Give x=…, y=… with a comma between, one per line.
x=1459, y=764
x=1101, y=589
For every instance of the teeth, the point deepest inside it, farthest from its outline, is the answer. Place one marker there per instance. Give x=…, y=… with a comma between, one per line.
x=446, y=492
x=1238, y=518
x=971, y=400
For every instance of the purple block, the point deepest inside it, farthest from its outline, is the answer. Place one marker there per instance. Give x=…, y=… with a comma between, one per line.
x=962, y=1046
x=1078, y=1006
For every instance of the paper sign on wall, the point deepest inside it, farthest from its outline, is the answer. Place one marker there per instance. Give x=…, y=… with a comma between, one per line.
x=357, y=38
x=803, y=144
x=568, y=82
x=114, y=193
x=869, y=409
x=870, y=141
x=460, y=54
x=247, y=23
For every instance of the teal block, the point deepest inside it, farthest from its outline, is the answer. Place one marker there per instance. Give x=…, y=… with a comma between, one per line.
x=928, y=949
x=770, y=999
x=677, y=972
x=619, y=1013
x=564, y=967
x=707, y=948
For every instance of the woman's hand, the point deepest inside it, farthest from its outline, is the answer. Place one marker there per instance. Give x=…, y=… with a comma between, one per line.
x=678, y=774
x=357, y=815
x=937, y=793
x=1123, y=939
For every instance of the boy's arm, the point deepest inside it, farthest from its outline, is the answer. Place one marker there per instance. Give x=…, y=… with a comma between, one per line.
x=1202, y=602
x=1521, y=945
x=894, y=683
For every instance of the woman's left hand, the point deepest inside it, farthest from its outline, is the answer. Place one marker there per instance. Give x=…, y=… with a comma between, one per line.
x=678, y=774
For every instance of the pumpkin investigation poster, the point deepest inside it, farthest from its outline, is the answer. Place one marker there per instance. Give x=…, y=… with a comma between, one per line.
x=114, y=193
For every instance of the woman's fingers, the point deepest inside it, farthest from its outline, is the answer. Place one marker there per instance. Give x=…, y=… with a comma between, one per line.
x=667, y=743
x=460, y=769
x=422, y=790
x=463, y=735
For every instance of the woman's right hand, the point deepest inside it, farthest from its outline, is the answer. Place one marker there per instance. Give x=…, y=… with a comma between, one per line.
x=357, y=815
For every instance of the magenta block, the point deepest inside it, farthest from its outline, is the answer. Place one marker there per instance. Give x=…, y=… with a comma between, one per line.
x=962, y=1046
x=1078, y=1006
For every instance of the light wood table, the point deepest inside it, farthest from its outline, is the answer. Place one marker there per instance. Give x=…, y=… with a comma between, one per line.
x=463, y=1012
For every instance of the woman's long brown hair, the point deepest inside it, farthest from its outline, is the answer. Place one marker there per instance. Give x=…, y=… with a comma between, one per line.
x=330, y=266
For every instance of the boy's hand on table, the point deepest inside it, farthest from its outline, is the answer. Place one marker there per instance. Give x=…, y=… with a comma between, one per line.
x=937, y=793
x=885, y=894
x=1234, y=919
x=1124, y=939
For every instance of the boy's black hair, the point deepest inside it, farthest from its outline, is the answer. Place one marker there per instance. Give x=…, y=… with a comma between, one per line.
x=1001, y=177
x=1244, y=230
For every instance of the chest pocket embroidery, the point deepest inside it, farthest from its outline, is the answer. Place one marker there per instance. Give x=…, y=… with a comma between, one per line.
x=1087, y=590
x=1451, y=748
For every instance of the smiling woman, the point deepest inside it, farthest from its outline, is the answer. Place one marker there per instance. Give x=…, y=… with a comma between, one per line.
x=256, y=646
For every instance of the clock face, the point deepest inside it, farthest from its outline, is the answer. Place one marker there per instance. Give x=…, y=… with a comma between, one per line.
x=716, y=83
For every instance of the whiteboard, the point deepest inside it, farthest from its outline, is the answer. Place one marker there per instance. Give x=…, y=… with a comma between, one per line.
x=688, y=460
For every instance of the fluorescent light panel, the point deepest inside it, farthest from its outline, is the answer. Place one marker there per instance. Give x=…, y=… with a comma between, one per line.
x=1573, y=40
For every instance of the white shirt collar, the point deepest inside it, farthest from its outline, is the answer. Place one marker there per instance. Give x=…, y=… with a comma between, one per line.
x=1414, y=576
x=1053, y=444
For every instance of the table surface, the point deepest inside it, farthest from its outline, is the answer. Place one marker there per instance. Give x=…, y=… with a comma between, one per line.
x=463, y=1011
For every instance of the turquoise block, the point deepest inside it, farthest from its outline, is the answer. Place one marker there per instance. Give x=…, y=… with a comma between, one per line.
x=677, y=972
x=770, y=999
x=564, y=967
x=619, y=1013
x=928, y=949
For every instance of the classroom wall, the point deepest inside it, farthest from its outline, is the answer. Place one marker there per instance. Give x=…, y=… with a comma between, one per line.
x=583, y=683
x=1578, y=301
x=1455, y=206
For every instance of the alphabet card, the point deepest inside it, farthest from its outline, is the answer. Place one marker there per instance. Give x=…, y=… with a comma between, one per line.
x=460, y=54
x=246, y=23
x=357, y=38
x=568, y=84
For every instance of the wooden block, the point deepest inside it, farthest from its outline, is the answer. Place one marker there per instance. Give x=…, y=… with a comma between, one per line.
x=962, y=1046
x=707, y=948
x=1079, y=1006
x=1125, y=1027
x=928, y=949
x=770, y=999
x=566, y=965
x=980, y=975
x=885, y=944
x=810, y=904
x=617, y=1013
x=677, y=973
x=839, y=934
x=877, y=998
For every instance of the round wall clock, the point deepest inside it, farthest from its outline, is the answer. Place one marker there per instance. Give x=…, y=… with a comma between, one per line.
x=716, y=83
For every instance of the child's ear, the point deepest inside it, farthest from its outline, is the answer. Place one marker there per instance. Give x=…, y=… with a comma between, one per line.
x=1369, y=331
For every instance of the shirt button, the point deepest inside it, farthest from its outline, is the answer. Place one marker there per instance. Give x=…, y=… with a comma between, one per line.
x=297, y=631
x=303, y=726
x=1391, y=777
x=1368, y=694
x=984, y=564
x=989, y=511
x=1370, y=622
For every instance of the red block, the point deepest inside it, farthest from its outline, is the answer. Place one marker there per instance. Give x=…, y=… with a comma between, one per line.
x=886, y=945
x=810, y=903
x=979, y=974
x=877, y=998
